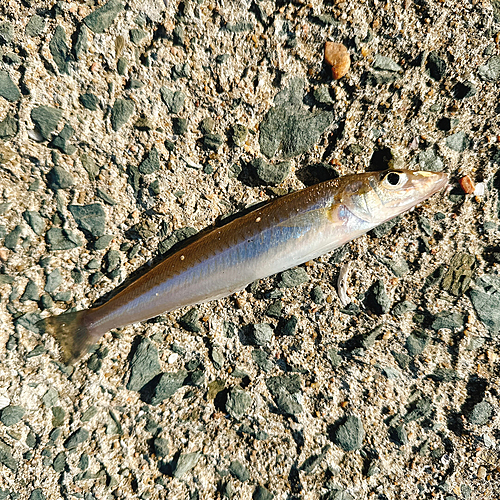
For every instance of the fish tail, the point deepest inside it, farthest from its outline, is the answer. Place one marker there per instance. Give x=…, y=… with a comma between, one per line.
x=73, y=333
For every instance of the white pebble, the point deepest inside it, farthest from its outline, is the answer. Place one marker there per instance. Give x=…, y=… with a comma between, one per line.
x=173, y=358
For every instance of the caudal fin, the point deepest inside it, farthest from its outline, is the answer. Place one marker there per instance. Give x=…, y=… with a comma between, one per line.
x=71, y=332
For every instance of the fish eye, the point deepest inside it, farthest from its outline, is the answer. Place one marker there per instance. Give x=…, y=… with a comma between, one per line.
x=394, y=179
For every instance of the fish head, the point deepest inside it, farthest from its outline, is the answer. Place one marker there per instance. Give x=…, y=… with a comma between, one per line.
x=379, y=196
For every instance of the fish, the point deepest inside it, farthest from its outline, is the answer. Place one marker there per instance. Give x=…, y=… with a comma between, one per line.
x=279, y=235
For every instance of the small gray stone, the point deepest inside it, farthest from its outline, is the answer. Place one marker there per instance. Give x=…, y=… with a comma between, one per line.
x=144, y=365
x=261, y=334
x=190, y=321
x=398, y=267
x=59, y=49
x=6, y=457
x=11, y=415
x=8, y=89
x=89, y=101
x=402, y=359
x=136, y=35
x=80, y=46
x=314, y=460
x=399, y=435
x=78, y=437
x=403, y=307
x=112, y=260
x=284, y=390
x=274, y=309
x=447, y=319
x=36, y=222
x=181, y=71
x=262, y=360
x=490, y=72
x=58, y=178
x=122, y=110
x=177, y=236
x=239, y=134
x=377, y=299
x=416, y=343
x=418, y=410
x=239, y=471
x=293, y=277
x=30, y=292
x=61, y=140
x=269, y=173
x=464, y=90
x=168, y=384
x=384, y=63
x=430, y=161
x=386, y=227
x=12, y=239
x=487, y=306
x=391, y=373
x=436, y=65
x=59, y=463
x=54, y=280
x=103, y=241
x=9, y=127
x=481, y=413
x=217, y=357
x=322, y=95
x=62, y=239
x=90, y=218
x=6, y=32
x=121, y=65
x=350, y=434
x=262, y=493
x=51, y=397
x=46, y=119
x=458, y=142
x=185, y=463
x=101, y=19
x=212, y=141
x=179, y=125
x=174, y=100
x=161, y=447
x=90, y=166
x=238, y=403
x=35, y=26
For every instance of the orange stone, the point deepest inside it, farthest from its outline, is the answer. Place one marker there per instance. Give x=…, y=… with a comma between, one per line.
x=338, y=58
x=466, y=184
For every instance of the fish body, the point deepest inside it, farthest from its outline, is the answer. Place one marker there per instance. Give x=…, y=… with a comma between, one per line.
x=282, y=234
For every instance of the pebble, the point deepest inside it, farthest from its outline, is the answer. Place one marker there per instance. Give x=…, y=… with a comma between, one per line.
x=288, y=127
x=61, y=140
x=262, y=493
x=384, y=63
x=458, y=142
x=416, y=342
x=79, y=436
x=217, y=357
x=403, y=307
x=481, y=413
x=181, y=71
x=377, y=299
x=239, y=471
x=212, y=141
x=239, y=134
x=313, y=461
x=176, y=237
x=122, y=110
x=62, y=239
x=9, y=127
x=102, y=18
x=459, y=275
x=190, y=321
x=238, y=402
x=59, y=49
x=90, y=218
x=36, y=222
x=58, y=178
x=490, y=72
x=398, y=267
x=350, y=434
x=6, y=33
x=464, y=90
x=174, y=100
x=322, y=95
x=337, y=56
x=284, y=388
x=136, y=35
x=144, y=365
x=12, y=239
x=89, y=101
x=11, y=415
x=121, y=66
x=274, y=309
x=30, y=292
x=59, y=463
x=90, y=166
x=167, y=385
x=261, y=334
x=8, y=89
x=272, y=174
x=293, y=277
x=185, y=463
x=160, y=446
x=261, y=359
x=447, y=319
x=35, y=26
x=385, y=228
x=80, y=46
x=46, y=120
x=6, y=457
x=102, y=243
x=399, y=435
x=437, y=66
x=288, y=326
x=418, y=410
x=487, y=306
x=180, y=126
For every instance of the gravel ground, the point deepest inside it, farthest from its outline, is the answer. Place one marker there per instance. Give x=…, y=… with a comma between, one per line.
x=128, y=126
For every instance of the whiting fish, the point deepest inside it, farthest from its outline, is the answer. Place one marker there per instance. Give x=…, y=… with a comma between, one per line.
x=284, y=233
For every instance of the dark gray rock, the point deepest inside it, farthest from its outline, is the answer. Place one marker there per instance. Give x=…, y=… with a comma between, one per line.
x=61, y=140
x=416, y=342
x=11, y=415
x=89, y=101
x=62, y=239
x=90, y=218
x=384, y=63
x=137, y=35
x=174, y=100
x=437, y=66
x=8, y=89
x=481, y=413
x=289, y=127
x=185, y=463
x=399, y=435
x=262, y=360
x=420, y=409
x=161, y=447
x=313, y=461
x=458, y=142
x=239, y=471
x=103, y=242
x=464, y=90
x=288, y=327
x=377, y=299
x=90, y=166
x=79, y=436
x=190, y=321
x=293, y=277
x=54, y=280
x=238, y=402
x=447, y=319
x=112, y=260
x=80, y=46
x=284, y=390
x=101, y=19
x=317, y=295
x=176, y=237
x=122, y=110
x=9, y=127
x=60, y=50
x=144, y=365
x=272, y=174
x=121, y=65
x=350, y=434
x=168, y=384
x=181, y=71
x=490, y=72
x=398, y=267
x=262, y=493
x=46, y=119
x=179, y=125
x=486, y=302
x=6, y=32
x=239, y=134
x=218, y=359
x=403, y=307
x=36, y=222
x=35, y=26
x=58, y=178
x=274, y=309
x=12, y=239
x=6, y=457
x=212, y=141
x=261, y=334
x=430, y=161
x=30, y=292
